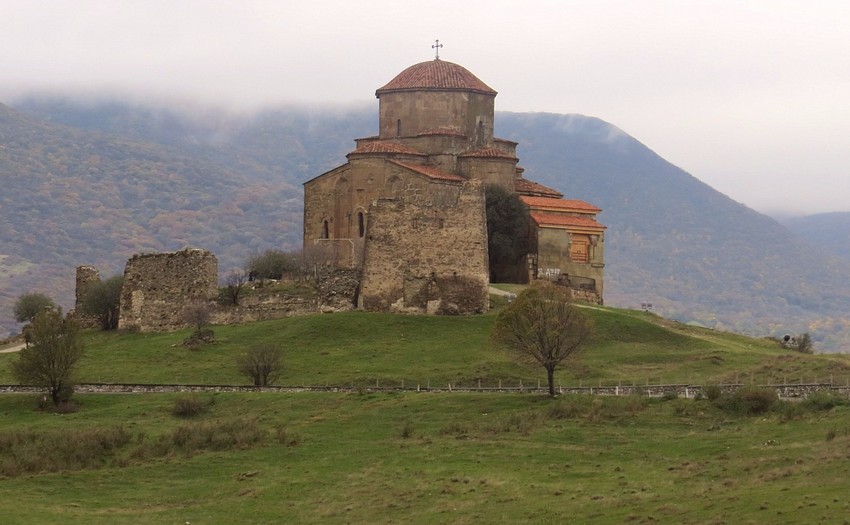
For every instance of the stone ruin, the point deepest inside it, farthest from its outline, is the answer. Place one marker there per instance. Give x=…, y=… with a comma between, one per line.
x=87, y=276
x=159, y=288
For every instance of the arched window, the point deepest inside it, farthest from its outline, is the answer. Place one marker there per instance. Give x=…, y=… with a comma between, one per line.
x=325, y=229
x=361, y=224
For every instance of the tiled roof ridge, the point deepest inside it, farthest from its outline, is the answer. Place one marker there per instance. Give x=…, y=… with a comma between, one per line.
x=549, y=202
x=525, y=186
x=557, y=219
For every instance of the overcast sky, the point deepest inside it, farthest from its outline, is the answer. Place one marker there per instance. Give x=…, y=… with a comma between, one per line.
x=752, y=97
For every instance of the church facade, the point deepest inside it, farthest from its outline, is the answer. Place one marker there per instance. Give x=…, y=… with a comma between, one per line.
x=407, y=208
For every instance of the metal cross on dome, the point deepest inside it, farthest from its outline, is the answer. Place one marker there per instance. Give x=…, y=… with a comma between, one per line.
x=437, y=45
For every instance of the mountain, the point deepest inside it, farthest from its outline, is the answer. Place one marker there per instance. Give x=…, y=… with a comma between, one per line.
x=72, y=196
x=694, y=253
x=830, y=230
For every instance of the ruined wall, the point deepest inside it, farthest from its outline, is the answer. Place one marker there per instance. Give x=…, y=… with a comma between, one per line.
x=262, y=308
x=427, y=258
x=87, y=276
x=159, y=287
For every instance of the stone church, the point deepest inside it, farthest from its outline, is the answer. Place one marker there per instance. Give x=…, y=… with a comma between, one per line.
x=407, y=208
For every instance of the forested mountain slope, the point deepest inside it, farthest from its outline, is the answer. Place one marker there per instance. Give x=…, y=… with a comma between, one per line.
x=830, y=230
x=232, y=184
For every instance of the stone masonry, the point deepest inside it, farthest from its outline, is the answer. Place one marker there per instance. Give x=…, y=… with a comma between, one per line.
x=87, y=276
x=158, y=288
x=427, y=259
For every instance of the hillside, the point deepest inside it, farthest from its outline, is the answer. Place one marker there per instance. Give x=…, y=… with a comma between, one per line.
x=672, y=240
x=73, y=196
x=830, y=230
x=416, y=457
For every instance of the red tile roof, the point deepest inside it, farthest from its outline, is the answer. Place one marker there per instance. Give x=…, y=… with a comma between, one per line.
x=436, y=75
x=531, y=188
x=428, y=171
x=557, y=219
x=488, y=153
x=385, y=147
x=561, y=204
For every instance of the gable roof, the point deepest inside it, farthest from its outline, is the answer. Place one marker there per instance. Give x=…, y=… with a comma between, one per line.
x=542, y=203
x=566, y=221
x=534, y=189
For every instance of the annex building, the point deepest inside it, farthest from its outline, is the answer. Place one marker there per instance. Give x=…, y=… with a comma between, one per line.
x=407, y=208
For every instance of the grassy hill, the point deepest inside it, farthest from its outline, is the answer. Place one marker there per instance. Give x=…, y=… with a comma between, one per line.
x=359, y=348
x=427, y=457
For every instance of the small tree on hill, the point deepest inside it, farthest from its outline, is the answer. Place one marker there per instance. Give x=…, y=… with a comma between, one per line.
x=261, y=364
x=234, y=284
x=52, y=358
x=804, y=344
x=31, y=304
x=103, y=301
x=543, y=326
x=508, y=227
x=198, y=315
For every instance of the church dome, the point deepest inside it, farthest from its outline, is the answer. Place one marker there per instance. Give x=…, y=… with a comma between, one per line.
x=436, y=75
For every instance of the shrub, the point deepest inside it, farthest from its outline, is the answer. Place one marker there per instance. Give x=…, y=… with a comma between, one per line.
x=823, y=401
x=30, y=451
x=669, y=396
x=220, y=435
x=261, y=364
x=407, y=430
x=750, y=401
x=284, y=437
x=188, y=406
x=712, y=392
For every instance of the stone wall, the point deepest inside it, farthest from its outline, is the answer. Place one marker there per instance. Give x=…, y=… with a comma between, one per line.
x=158, y=288
x=554, y=263
x=87, y=276
x=427, y=258
x=262, y=308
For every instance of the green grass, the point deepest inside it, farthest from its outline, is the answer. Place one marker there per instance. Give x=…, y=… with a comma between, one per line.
x=468, y=458
x=358, y=348
x=438, y=458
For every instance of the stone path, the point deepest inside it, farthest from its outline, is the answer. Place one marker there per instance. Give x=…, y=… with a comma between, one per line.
x=16, y=348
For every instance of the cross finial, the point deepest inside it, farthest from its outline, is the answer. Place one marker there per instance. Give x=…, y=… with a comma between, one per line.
x=437, y=45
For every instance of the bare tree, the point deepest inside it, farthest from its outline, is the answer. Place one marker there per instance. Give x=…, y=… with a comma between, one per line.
x=543, y=326
x=316, y=259
x=197, y=315
x=235, y=282
x=51, y=359
x=261, y=364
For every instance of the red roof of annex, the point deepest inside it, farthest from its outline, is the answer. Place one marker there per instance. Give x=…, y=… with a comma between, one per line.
x=561, y=204
x=556, y=219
